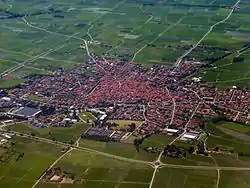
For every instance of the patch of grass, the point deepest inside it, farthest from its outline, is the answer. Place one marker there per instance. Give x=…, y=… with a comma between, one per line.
x=119, y=149
x=38, y=156
x=10, y=82
x=234, y=179
x=93, y=168
x=181, y=178
x=235, y=126
x=64, y=134
x=87, y=116
x=159, y=140
x=123, y=123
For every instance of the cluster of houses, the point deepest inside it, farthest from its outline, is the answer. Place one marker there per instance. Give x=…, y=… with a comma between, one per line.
x=4, y=138
x=158, y=96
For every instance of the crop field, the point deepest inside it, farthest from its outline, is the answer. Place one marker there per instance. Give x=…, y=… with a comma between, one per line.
x=227, y=73
x=55, y=133
x=228, y=143
x=24, y=172
x=123, y=123
x=147, y=32
x=240, y=179
x=167, y=177
x=119, y=149
x=93, y=170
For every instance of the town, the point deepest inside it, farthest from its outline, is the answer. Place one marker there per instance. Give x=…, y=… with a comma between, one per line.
x=165, y=99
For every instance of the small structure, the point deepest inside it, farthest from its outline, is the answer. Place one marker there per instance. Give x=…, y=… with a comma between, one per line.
x=170, y=131
x=190, y=136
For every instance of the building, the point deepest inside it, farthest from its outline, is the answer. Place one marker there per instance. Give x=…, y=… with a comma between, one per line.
x=24, y=112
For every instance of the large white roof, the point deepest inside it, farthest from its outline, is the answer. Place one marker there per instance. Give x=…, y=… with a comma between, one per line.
x=190, y=136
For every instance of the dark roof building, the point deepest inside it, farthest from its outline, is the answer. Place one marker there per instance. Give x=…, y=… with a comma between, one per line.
x=25, y=112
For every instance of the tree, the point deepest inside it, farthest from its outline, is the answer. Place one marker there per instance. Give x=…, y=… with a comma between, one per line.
x=191, y=150
x=216, y=149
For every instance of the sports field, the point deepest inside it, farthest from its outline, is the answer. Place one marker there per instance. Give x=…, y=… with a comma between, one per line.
x=148, y=32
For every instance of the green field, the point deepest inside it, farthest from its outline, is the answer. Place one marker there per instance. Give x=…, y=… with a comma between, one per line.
x=235, y=126
x=64, y=134
x=181, y=178
x=93, y=170
x=228, y=143
x=159, y=140
x=146, y=32
x=87, y=116
x=119, y=149
x=23, y=173
x=234, y=179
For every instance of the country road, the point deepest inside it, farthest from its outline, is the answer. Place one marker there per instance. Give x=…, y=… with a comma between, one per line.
x=152, y=164
x=178, y=61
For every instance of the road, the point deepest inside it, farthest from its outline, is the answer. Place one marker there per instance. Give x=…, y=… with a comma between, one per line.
x=158, y=36
x=98, y=17
x=51, y=166
x=32, y=60
x=174, y=106
x=63, y=35
x=156, y=165
x=211, y=28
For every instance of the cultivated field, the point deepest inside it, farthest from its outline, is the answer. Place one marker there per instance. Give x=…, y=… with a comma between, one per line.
x=23, y=173
x=93, y=170
x=38, y=37
x=63, y=134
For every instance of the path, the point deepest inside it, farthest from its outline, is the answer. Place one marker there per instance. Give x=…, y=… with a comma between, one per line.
x=98, y=17
x=63, y=35
x=51, y=166
x=174, y=106
x=211, y=28
x=158, y=36
x=140, y=26
x=31, y=60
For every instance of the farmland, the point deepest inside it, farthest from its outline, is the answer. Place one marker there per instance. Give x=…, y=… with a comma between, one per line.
x=50, y=34
x=167, y=177
x=88, y=52
x=93, y=169
x=55, y=133
x=25, y=171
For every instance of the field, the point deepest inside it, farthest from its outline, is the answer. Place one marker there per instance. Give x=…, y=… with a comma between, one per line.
x=240, y=179
x=167, y=177
x=123, y=123
x=147, y=32
x=159, y=140
x=23, y=173
x=63, y=134
x=235, y=126
x=227, y=143
x=87, y=116
x=119, y=149
x=93, y=170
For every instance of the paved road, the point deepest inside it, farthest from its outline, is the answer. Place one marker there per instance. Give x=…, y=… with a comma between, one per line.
x=211, y=28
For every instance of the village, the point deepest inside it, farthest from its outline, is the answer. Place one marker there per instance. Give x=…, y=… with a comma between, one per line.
x=165, y=99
